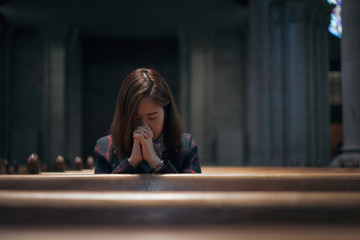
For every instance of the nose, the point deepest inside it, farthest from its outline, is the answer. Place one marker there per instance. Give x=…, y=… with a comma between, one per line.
x=141, y=122
x=145, y=124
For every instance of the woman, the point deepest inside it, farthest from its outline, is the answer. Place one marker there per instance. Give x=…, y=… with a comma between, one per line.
x=146, y=131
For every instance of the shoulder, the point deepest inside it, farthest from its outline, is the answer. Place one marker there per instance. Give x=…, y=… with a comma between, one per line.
x=104, y=146
x=187, y=140
x=106, y=140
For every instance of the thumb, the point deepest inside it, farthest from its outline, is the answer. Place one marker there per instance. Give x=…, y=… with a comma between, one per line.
x=139, y=137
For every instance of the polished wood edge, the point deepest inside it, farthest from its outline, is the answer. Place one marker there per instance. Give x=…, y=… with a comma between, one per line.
x=179, y=199
x=182, y=176
x=207, y=232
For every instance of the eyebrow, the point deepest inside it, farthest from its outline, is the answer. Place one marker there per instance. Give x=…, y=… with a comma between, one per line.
x=150, y=114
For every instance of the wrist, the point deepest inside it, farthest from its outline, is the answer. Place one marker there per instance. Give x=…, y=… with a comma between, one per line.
x=155, y=160
x=132, y=162
x=158, y=167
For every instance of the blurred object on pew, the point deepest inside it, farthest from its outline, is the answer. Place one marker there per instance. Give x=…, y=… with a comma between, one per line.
x=34, y=164
x=341, y=163
x=16, y=167
x=11, y=169
x=346, y=160
x=6, y=166
x=2, y=167
x=23, y=169
x=90, y=162
x=78, y=163
x=60, y=164
x=44, y=167
x=355, y=163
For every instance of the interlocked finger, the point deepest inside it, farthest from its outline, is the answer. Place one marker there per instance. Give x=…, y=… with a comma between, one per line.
x=144, y=131
x=148, y=131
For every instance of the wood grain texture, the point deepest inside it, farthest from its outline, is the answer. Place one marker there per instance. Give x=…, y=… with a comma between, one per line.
x=210, y=232
x=169, y=208
x=262, y=179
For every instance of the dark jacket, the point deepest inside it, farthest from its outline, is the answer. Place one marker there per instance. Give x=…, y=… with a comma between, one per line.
x=184, y=159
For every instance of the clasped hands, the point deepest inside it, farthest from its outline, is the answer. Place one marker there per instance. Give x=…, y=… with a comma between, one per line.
x=143, y=148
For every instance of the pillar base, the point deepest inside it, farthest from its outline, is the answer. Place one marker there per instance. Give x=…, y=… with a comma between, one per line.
x=346, y=159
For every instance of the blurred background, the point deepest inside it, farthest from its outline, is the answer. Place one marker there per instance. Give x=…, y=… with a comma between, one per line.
x=257, y=82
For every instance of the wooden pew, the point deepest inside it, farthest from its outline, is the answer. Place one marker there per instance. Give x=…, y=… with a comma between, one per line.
x=169, y=208
x=266, y=170
x=71, y=172
x=279, y=180
x=198, y=232
x=220, y=203
x=249, y=232
x=243, y=170
x=229, y=170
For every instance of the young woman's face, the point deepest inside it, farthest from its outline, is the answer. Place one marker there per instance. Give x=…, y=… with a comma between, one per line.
x=152, y=115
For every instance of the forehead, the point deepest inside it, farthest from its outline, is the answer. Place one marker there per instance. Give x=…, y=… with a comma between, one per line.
x=147, y=105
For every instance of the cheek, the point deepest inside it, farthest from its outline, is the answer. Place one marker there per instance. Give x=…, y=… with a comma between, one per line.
x=157, y=126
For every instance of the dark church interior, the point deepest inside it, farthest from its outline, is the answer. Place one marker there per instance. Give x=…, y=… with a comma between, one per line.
x=269, y=89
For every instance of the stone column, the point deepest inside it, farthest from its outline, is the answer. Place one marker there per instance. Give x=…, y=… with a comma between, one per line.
x=73, y=95
x=277, y=84
x=2, y=99
x=54, y=94
x=184, y=66
x=298, y=66
x=323, y=90
x=2, y=88
x=296, y=110
x=258, y=84
x=6, y=40
x=312, y=62
x=196, y=78
x=228, y=91
x=350, y=71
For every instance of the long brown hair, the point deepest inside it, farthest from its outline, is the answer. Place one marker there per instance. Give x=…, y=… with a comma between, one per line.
x=140, y=83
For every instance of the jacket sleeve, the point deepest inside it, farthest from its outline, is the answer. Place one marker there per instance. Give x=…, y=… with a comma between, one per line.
x=103, y=159
x=191, y=163
x=189, y=160
x=124, y=167
x=168, y=168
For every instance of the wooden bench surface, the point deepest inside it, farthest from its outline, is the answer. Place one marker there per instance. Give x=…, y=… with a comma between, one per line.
x=249, y=232
x=228, y=169
x=283, y=180
x=175, y=199
x=232, y=170
x=86, y=207
x=265, y=170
